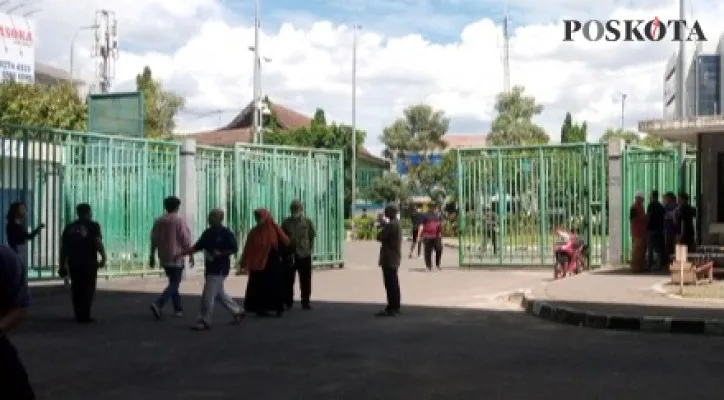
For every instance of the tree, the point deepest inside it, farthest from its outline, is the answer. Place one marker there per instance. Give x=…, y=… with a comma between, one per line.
x=573, y=132
x=420, y=131
x=388, y=188
x=160, y=105
x=51, y=106
x=514, y=125
x=626, y=135
x=319, y=135
x=652, y=142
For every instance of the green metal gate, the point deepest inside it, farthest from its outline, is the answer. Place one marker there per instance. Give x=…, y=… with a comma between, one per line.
x=125, y=181
x=247, y=177
x=512, y=198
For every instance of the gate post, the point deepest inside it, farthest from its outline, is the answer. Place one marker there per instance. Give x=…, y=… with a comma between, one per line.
x=187, y=183
x=614, y=250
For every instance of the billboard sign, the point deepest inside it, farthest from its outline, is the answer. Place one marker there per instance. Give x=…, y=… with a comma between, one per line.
x=17, y=49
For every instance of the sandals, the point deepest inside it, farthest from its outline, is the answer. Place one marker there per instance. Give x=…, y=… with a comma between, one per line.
x=201, y=326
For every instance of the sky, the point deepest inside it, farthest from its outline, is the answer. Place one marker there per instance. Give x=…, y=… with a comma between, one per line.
x=447, y=53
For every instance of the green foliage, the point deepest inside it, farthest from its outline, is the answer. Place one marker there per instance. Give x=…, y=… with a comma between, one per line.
x=630, y=137
x=319, y=135
x=573, y=132
x=364, y=227
x=160, y=106
x=514, y=124
x=420, y=131
x=388, y=188
x=51, y=106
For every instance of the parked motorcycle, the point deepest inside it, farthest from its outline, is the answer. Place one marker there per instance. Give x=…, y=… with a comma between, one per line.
x=571, y=254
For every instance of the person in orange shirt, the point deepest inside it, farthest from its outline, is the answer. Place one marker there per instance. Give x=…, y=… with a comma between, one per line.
x=637, y=217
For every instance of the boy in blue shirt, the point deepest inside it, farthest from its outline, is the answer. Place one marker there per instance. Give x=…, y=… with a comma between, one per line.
x=218, y=244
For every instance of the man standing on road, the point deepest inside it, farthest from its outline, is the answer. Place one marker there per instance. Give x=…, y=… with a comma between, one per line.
x=417, y=218
x=80, y=245
x=390, y=238
x=170, y=235
x=686, y=215
x=430, y=233
x=655, y=217
x=669, y=227
x=14, y=302
x=301, y=233
x=637, y=218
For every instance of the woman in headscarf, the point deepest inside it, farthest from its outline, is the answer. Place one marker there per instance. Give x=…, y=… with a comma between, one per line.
x=262, y=259
x=16, y=232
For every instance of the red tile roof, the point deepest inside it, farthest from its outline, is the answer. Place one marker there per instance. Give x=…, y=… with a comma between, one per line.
x=456, y=141
x=239, y=130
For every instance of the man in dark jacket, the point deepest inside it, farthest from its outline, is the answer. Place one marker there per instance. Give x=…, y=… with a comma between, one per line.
x=81, y=243
x=14, y=302
x=301, y=233
x=390, y=238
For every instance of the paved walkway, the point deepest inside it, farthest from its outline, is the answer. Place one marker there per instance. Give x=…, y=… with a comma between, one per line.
x=620, y=293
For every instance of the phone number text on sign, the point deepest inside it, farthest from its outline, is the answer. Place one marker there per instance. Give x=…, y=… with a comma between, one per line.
x=16, y=72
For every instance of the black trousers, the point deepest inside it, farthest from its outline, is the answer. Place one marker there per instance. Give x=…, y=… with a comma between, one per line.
x=491, y=235
x=434, y=244
x=303, y=267
x=83, y=288
x=416, y=242
x=14, y=382
x=392, y=288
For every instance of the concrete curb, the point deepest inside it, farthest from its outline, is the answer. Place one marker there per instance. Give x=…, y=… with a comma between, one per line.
x=545, y=310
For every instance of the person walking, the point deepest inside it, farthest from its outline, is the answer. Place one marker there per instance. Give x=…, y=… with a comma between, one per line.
x=14, y=302
x=16, y=231
x=417, y=219
x=262, y=259
x=430, y=233
x=390, y=238
x=300, y=231
x=491, y=234
x=170, y=235
x=81, y=243
x=637, y=219
x=655, y=218
x=218, y=244
x=685, y=223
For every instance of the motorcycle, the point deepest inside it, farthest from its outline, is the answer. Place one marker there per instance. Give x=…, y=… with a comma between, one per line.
x=571, y=254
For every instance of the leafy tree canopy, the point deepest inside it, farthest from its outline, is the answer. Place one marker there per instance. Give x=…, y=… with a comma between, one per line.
x=631, y=137
x=420, y=130
x=514, y=124
x=573, y=132
x=160, y=105
x=388, y=188
x=52, y=106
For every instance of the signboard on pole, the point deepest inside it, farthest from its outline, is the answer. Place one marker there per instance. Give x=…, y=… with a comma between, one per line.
x=17, y=49
x=116, y=114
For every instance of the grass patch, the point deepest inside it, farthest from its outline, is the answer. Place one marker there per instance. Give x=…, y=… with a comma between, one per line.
x=713, y=290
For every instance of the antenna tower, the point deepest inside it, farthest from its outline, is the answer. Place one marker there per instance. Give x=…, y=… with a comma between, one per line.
x=506, y=52
x=106, y=47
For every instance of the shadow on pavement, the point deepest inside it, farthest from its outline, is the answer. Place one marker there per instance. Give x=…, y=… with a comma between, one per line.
x=339, y=351
x=706, y=311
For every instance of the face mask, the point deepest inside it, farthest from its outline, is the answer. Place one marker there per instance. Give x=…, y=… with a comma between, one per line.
x=19, y=220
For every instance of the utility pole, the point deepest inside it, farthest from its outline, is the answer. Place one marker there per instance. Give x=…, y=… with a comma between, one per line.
x=623, y=111
x=681, y=68
x=353, y=206
x=256, y=101
x=72, y=49
x=506, y=52
x=106, y=47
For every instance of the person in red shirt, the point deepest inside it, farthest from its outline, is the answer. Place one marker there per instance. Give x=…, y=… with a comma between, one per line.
x=637, y=218
x=430, y=232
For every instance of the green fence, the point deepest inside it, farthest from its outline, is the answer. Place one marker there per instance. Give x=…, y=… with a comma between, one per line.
x=644, y=170
x=511, y=200
x=247, y=177
x=124, y=180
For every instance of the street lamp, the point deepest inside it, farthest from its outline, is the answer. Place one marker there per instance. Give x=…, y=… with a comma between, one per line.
x=72, y=48
x=353, y=199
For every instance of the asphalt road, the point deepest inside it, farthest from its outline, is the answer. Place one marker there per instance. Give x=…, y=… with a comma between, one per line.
x=470, y=347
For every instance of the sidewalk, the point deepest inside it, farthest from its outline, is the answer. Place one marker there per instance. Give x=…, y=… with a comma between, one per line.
x=617, y=299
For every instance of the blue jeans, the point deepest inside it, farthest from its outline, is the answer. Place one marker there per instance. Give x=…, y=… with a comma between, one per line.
x=174, y=274
x=655, y=246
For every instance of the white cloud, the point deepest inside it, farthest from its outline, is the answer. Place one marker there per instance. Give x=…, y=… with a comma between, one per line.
x=199, y=50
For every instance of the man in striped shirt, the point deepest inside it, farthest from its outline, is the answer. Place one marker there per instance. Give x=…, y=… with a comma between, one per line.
x=170, y=236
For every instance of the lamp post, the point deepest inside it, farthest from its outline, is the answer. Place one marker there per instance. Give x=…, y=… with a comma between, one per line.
x=259, y=109
x=72, y=48
x=257, y=93
x=353, y=196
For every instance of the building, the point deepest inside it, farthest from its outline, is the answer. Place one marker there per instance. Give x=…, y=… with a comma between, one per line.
x=239, y=129
x=703, y=83
x=452, y=142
